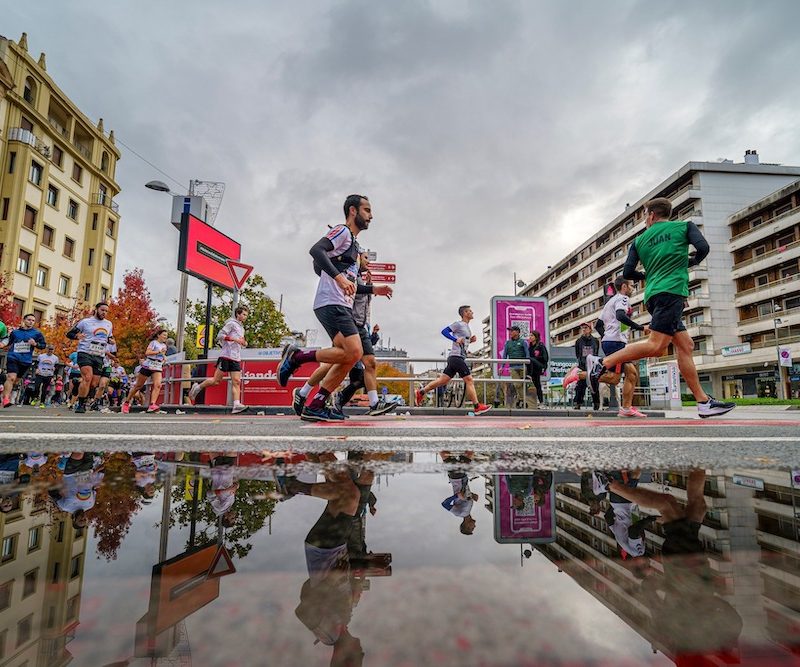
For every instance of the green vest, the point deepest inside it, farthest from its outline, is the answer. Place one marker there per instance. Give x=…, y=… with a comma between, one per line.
x=663, y=250
x=515, y=349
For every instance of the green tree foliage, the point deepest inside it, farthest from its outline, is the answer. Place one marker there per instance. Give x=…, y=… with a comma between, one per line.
x=264, y=327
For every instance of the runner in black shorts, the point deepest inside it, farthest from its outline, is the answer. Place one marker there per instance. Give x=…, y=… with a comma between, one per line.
x=461, y=335
x=663, y=250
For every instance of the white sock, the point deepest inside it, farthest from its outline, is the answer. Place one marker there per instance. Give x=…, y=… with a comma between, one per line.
x=305, y=390
x=373, y=397
x=237, y=403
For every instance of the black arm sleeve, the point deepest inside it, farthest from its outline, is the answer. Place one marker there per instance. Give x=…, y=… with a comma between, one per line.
x=577, y=349
x=696, y=238
x=319, y=251
x=622, y=316
x=629, y=271
x=600, y=327
x=364, y=289
x=72, y=334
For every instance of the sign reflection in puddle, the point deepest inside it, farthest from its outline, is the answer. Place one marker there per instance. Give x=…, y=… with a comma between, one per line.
x=351, y=558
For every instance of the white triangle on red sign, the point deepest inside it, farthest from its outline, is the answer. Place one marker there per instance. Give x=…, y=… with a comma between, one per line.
x=239, y=272
x=221, y=565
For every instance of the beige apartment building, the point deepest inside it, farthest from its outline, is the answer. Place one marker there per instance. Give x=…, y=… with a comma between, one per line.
x=59, y=223
x=717, y=197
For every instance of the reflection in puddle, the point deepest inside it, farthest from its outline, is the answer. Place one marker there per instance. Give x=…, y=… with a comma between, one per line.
x=350, y=558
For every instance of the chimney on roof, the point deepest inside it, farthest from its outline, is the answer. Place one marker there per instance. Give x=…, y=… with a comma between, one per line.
x=751, y=156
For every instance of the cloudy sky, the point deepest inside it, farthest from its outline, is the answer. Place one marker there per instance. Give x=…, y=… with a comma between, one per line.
x=491, y=137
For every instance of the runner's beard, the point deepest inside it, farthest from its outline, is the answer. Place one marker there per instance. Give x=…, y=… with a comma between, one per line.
x=361, y=223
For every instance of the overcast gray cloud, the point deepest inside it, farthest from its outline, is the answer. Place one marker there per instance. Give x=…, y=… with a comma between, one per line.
x=491, y=137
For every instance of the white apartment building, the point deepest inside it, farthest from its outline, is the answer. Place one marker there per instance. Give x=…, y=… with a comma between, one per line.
x=708, y=194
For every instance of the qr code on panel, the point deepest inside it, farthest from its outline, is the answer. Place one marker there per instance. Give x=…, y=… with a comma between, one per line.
x=524, y=327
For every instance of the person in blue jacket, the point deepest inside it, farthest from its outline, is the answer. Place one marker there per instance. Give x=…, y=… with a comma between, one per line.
x=20, y=353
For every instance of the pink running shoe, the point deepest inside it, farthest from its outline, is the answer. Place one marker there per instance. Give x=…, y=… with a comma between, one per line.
x=153, y=408
x=630, y=412
x=571, y=377
x=125, y=408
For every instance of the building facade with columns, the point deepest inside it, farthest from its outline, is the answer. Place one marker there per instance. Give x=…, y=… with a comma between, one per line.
x=59, y=222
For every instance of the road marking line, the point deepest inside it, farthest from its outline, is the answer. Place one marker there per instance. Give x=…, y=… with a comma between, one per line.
x=79, y=437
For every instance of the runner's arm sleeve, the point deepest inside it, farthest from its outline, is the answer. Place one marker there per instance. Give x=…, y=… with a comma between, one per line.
x=629, y=271
x=361, y=288
x=448, y=503
x=374, y=338
x=319, y=251
x=41, y=343
x=696, y=238
x=72, y=334
x=447, y=332
x=622, y=316
x=600, y=327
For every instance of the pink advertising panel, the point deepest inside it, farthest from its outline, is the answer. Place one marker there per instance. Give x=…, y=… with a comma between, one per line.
x=521, y=516
x=528, y=313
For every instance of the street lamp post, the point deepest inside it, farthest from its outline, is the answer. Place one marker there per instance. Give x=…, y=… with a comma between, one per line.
x=775, y=322
x=518, y=283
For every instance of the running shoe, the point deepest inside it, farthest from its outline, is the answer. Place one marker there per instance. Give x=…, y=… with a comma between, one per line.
x=42, y=406
x=630, y=412
x=419, y=396
x=239, y=408
x=125, y=408
x=338, y=412
x=594, y=378
x=712, y=407
x=287, y=365
x=570, y=377
x=152, y=408
x=600, y=481
x=34, y=403
x=481, y=408
x=193, y=392
x=298, y=401
x=6, y=402
x=320, y=415
x=79, y=408
x=380, y=408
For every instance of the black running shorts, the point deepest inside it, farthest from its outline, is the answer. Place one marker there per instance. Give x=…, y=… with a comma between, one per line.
x=366, y=342
x=337, y=320
x=666, y=311
x=228, y=365
x=91, y=360
x=456, y=366
x=18, y=367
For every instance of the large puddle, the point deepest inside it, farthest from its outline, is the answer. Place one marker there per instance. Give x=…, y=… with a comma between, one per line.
x=382, y=558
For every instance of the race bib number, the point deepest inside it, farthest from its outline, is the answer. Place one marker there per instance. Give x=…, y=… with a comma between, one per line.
x=154, y=364
x=22, y=348
x=97, y=348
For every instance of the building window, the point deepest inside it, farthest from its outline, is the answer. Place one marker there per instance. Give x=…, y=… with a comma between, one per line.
x=106, y=262
x=38, y=317
x=72, y=607
x=29, y=91
x=29, y=221
x=87, y=288
x=52, y=195
x=24, y=262
x=24, y=629
x=29, y=583
x=34, y=538
x=9, y=548
x=25, y=124
x=58, y=155
x=762, y=280
x=72, y=210
x=755, y=222
x=42, y=275
x=5, y=594
x=90, y=259
x=57, y=566
x=48, y=236
x=6, y=205
x=786, y=239
x=12, y=161
x=696, y=318
x=765, y=309
x=69, y=247
x=788, y=271
x=104, y=162
x=791, y=303
x=77, y=172
x=110, y=227
x=19, y=309
x=104, y=294
x=759, y=250
x=35, y=175
x=63, y=285
x=782, y=209
x=75, y=567
x=94, y=221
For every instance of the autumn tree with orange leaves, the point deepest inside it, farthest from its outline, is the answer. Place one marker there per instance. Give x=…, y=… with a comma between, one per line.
x=7, y=314
x=55, y=329
x=134, y=318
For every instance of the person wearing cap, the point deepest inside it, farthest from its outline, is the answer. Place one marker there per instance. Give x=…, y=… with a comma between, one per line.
x=516, y=347
x=585, y=346
x=45, y=369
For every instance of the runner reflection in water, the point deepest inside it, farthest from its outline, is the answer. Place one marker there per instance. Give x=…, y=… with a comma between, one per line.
x=77, y=492
x=460, y=503
x=11, y=481
x=326, y=598
x=224, y=484
x=687, y=614
x=619, y=515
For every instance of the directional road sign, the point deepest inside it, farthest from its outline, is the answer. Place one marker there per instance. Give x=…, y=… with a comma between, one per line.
x=383, y=277
x=382, y=266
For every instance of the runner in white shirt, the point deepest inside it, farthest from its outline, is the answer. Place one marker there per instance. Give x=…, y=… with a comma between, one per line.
x=461, y=502
x=92, y=334
x=105, y=376
x=231, y=338
x=151, y=370
x=45, y=370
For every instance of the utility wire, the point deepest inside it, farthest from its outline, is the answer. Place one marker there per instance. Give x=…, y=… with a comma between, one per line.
x=144, y=159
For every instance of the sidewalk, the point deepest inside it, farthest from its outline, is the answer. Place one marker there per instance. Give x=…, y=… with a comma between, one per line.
x=771, y=412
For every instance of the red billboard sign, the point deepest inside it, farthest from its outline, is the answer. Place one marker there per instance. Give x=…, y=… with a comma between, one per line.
x=204, y=252
x=382, y=266
x=383, y=277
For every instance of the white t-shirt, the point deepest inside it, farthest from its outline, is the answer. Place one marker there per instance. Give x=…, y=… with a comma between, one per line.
x=155, y=363
x=96, y=333
x=623, y=520
x=328, y=292
x=232, y=328
x=462, y=506
x=460, y=330
x=146, y=468
x=46, y=365
x=615, y=330
x=80, y=491
x=222, y=494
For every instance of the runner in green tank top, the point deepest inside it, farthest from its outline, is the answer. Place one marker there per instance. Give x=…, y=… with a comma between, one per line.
x=663, y=250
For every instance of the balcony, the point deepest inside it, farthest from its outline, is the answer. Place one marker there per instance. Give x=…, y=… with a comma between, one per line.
x=698, y=329
x=772, y=226
x=23, y=136
x=58, y=127
x=103, y=199
x=768, y=259
x=771, y=290
x=761, y=323
x=83, y=150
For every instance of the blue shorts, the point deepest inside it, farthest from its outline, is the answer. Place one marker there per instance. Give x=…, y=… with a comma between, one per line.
x=19, y=368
